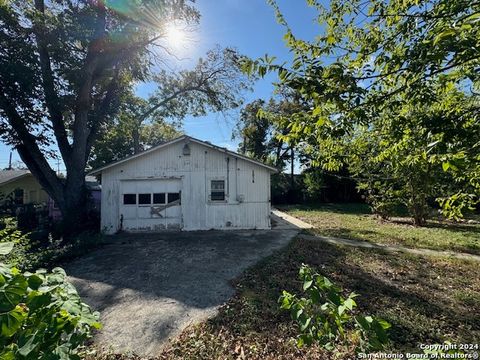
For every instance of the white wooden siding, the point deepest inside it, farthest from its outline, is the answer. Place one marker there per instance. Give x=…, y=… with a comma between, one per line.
x=247, y=187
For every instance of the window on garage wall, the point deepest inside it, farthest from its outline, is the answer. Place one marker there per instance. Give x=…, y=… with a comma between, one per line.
x=173, y=197
x=159, y=198
x=144, y=199
x=148, y=199
x=129, y=199
x=217, y=190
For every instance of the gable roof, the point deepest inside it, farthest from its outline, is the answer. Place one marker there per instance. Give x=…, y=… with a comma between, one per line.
x=177, y=140
x=7, y=176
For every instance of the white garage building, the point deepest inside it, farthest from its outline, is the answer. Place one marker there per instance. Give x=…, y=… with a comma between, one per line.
x=185, y=184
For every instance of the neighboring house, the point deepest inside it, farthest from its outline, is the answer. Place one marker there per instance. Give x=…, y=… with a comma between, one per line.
x=21, y=187
x=185, y=184
x=95, y=190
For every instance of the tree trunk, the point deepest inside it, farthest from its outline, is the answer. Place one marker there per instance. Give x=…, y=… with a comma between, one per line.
x=418, y=202
x=69, y=194
x=292, y=167
x=419, y=216
x=136, y=140
x=74, y=209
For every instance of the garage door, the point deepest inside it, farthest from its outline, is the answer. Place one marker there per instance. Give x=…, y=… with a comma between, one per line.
x=151, y=205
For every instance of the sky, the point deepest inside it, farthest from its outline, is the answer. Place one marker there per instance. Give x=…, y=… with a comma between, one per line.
x=251, y=28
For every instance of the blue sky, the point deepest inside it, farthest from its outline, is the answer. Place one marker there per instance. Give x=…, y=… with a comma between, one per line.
x=249, y=26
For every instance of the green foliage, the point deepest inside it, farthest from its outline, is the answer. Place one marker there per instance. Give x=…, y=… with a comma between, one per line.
x=9, y=235
x=31, y=253
x=41, y=315
x=254, y=131
x=282, y=191
x=325, y=315
x=314, y=183
x=263, y=128
x=399, y=80
x=215, y=84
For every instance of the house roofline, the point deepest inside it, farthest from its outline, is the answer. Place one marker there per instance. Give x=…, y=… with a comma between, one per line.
x=179, y=139
x=15, y=178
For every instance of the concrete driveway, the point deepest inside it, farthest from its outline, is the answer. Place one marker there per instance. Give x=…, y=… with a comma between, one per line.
x=149, y=287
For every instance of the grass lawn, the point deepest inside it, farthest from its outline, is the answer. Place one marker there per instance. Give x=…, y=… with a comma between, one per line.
x=427, y=300
x=354, y=221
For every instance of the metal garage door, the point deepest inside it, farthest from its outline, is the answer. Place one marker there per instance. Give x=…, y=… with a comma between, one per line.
x=151, y=205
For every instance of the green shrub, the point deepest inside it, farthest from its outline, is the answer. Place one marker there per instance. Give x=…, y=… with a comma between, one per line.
x=39, y=249
x=9, y=234
x=41, y=315
x=325, y=315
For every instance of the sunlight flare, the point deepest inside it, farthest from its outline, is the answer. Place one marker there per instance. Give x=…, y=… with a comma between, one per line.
x=176, y=36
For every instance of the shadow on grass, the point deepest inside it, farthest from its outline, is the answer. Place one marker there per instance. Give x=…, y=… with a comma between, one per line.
x=474, y=229
x=340, y=208
x=394, y=290
x=470, y=244
x=357, y=234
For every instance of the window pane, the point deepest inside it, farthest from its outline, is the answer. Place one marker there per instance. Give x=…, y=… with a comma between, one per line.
x=129, y=199
x=173, y=197
x=18, y=193
x=144, y=199
x=218, y=184
x=159, y=198
x=217, y=196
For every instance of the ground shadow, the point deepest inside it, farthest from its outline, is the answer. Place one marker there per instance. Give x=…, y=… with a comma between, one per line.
x=339, y=208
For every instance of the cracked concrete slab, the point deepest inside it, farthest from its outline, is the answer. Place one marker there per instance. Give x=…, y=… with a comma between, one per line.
x=149, y=287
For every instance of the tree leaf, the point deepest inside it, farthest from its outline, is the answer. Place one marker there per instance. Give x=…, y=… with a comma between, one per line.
x=349, y=303
x=307, y=284
x=13, y=293
x=34, y=281
x=11, y=321
x=6, y=248
x=29, y=346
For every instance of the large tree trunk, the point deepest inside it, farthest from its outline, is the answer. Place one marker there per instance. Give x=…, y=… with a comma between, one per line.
x=103, y=62
x=69, y=194
x=75, y=201
x=75, y=209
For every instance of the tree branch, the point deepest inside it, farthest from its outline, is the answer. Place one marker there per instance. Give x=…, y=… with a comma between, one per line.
x=31, y=153
x=165, y=101
x=51, y=98
x=102, y=111
x=81, y=130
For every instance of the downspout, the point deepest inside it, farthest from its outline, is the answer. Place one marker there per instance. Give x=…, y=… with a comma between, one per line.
x=205, y=178
x=236, y=179
x=228, y=178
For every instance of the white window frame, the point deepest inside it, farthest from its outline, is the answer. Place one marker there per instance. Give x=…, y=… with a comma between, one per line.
x=209, y=193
